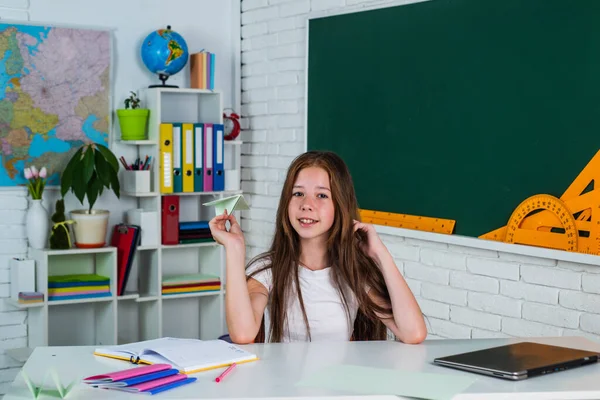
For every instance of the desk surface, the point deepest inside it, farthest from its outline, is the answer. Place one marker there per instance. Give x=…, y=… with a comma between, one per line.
x=281, y=366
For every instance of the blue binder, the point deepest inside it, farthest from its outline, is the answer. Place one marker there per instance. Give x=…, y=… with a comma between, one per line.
x=177, y=155
x=219, y=155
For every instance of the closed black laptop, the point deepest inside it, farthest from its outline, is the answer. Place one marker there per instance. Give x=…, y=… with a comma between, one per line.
x=519, y=360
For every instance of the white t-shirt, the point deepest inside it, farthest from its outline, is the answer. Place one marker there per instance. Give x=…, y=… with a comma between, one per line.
x=325, y=311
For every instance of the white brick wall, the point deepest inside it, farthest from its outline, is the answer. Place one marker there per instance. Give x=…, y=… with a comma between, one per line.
x=465, y=292
x=13, y=328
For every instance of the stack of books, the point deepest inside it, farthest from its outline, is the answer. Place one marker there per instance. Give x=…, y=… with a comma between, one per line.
x=30, y=297
x=78, y=286
x=194, y=232
x=149, y=379
x=193, y=283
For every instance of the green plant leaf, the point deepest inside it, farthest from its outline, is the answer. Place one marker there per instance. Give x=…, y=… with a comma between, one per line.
x=93, y=188
x=109, y=157
x=66, y=178
x=88, y=164
x=114, y=183
x=103, y=169
x=78, y=186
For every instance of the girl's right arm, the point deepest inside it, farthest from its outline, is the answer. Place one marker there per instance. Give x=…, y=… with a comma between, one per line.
x=245, y=302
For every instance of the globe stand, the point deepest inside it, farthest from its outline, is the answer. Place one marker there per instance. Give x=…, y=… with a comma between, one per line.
x=163, y=79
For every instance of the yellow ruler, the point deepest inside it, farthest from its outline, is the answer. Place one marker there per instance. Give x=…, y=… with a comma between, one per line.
x=570, y=223
x=416, y=222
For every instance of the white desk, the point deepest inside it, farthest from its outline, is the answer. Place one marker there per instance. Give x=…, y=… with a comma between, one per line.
x=282, y=365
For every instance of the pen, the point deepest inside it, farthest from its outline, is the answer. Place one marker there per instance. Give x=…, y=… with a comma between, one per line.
x=225, y=373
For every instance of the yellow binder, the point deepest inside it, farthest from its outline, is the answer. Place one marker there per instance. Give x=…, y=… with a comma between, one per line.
x=165, y=166
x=187, y=155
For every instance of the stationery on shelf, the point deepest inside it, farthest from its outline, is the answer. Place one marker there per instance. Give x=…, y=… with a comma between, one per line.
x=149, y=379
x=194, y=232
x=31, y=297
x=187, y=355
x=231, y=204
x=126, y=239
x=170, y=219
x=58, y=391
x=190, y=283
x=138, y=164
x=78, y=286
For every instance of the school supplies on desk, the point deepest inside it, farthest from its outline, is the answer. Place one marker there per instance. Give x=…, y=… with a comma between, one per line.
x=149, y=379
x=225, y=373
x=187, y=355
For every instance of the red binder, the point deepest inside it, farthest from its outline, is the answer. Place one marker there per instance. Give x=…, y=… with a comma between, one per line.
x=125, y=238
x=170, y=219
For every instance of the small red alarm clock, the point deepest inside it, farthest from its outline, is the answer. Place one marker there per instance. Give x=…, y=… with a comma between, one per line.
x=231, y=124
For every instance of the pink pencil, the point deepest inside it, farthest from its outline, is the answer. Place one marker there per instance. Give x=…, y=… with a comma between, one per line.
x=225, y=373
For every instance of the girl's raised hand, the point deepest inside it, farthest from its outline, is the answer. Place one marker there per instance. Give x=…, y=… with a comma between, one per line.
x=232, y=238
x=373, y=246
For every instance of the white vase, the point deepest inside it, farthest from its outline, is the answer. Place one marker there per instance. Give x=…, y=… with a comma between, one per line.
x=37, y=224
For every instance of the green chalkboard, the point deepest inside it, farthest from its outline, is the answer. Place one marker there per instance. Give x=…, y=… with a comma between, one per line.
x=458, y=109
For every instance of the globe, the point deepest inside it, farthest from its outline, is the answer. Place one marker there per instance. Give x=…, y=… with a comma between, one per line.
x=164, y=52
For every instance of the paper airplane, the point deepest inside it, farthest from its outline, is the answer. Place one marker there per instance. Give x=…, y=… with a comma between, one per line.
x=231, y=204
x=58, y=391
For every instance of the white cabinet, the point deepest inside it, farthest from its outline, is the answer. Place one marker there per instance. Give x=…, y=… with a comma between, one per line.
x=142, y=312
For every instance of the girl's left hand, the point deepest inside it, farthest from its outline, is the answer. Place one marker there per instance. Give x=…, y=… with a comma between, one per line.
x=374, y=247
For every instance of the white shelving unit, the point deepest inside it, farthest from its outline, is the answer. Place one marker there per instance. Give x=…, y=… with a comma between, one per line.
x=91, y=321
x=142, y=312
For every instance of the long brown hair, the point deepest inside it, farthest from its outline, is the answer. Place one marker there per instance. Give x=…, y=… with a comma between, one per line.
x=352, y=270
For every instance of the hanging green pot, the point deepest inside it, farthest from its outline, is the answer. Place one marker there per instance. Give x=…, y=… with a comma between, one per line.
x=134, y=124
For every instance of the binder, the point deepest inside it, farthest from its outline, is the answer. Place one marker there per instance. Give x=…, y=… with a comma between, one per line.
x=170, y=219
x=208, y=157
x=187, y=155
x=177, y=171
x=212, y=72
x=219, y=168
x=198, y=157
x=125, y=238
x=165, y=166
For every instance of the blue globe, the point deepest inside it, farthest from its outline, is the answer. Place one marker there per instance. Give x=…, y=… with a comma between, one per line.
x=164, y=52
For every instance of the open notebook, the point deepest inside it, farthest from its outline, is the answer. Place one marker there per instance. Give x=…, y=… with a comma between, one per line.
x=186, y=355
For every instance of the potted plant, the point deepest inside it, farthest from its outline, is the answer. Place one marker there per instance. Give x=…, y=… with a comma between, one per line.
x=92, y=168
x=133, y=120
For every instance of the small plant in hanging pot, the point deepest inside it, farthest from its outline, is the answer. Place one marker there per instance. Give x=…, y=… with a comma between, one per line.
x=92, y=169
x=133, y=120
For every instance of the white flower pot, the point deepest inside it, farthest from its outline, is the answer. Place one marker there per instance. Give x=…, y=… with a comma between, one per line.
x=90, y=227
x=37, y=224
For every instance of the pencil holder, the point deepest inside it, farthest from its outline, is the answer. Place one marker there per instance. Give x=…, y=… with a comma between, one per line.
x=136, y=181
x=22, y=277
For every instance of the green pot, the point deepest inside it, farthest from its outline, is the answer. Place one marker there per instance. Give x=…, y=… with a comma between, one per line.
x=133, y=124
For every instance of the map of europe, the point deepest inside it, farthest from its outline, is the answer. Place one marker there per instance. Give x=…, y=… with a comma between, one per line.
x=54, y=97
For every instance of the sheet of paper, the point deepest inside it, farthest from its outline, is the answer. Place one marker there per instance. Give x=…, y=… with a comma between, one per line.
x=231, y=204
x=367, y=380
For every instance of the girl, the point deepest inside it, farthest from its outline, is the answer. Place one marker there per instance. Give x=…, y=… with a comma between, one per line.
x=349, y=286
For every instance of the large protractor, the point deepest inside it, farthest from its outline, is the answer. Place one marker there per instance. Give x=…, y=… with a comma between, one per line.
x=564, y=238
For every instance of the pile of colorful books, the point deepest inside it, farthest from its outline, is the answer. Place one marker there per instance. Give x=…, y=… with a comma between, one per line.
x=78, y=286
x=194, y=232
x=193, y=283
x=30, y=297
x=149, y=379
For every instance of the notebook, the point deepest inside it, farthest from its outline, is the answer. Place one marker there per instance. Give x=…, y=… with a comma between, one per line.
x=187, y=355
x=519, y=361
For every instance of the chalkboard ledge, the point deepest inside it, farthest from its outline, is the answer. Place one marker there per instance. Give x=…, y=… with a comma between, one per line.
x=473, y=242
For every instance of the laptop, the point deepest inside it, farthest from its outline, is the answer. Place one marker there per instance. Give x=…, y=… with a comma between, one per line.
x=519, y=361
